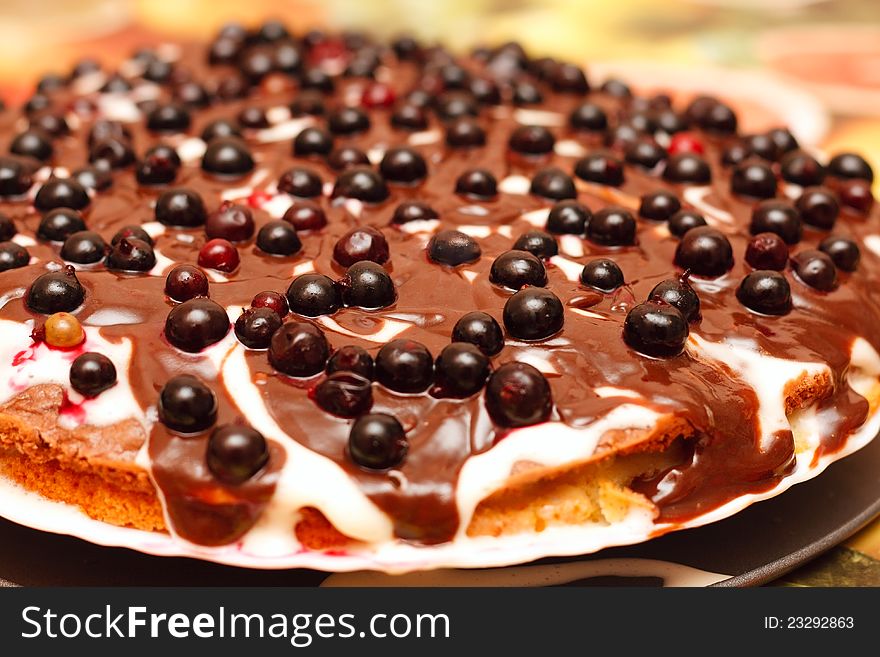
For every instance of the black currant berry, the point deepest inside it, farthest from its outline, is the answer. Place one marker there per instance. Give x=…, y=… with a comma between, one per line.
x=850, y=165
x=568, y=217
x=61, y=193
x=478, y=184
x=91, y=374
x=538, y=243
x=59, y=224
x=13, y=256
x=131, y=254
x=235, y=453
x=816, y=269
x=601, y=168
x=187, y=405
x=453, y=248
x=405, y=366
x=351, y=358
x=159, y=166
x=518, y=395
x=227, y=157
x=403, y=165
x=612, y=226
x=531, y=140
x=766, y=292
x=818, y=207
x=57, y=291
x=359, y=244
x=278, y=238
x=602, y=274
x=180, y=207
x=361, y=183
x=312, y=295
x=753, y=179
x=186, y=282
x=299, y=349
x=196, y=324
x=687, y=168
x=683, y=220
x=255, y=326
x=553, y=183
x=843, y=251
x=659, y=206
x=779, y=217
x=84, y=247
x=515, y=269
x=532, y=314
x=481, y=330
x=344, y=394
x=767, y=251
x=656, y=329
x=705, y=251
x=461, y=370
x=300, y=181
x=413, y=211
x=377, y=442
x=367, y=285
x=678, y=293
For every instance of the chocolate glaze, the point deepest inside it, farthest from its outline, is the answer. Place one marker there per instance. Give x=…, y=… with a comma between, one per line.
x=724, y=459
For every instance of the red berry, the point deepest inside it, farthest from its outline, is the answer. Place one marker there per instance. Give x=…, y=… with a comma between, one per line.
x=767, y=251
x=364, y=243
x=186, y=282
x=326, y=51
x=219, y=254
x=258, y=198
x=305, y=215
x=856, y=194
x=230, y=221
x=378, y=95
x=683, y=142
x=272, y=300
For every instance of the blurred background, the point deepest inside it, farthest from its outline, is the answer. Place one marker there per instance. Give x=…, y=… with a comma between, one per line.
x=811, y=64
x=814, y=64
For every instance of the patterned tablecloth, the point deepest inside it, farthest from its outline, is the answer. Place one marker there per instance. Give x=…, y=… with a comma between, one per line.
x=810, y=63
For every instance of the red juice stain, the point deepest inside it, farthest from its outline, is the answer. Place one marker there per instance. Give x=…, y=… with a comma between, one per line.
x=23, y=356
x=258, y=198
x=76, y=412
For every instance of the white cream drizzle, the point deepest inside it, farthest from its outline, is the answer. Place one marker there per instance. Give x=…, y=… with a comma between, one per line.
x=191, y=149
x=277, y=205
x=284, y=130
x=570, y=268
x=391, y=328
x=537, y=218
x=569, y=148
x=118, y=107
x=873, y=243
x=538, y=117
x=696, y=196
x=515, y=184
x=571, y=245
x=424, y=137
x=419, y=226
x=24, y=240
x=474, y=210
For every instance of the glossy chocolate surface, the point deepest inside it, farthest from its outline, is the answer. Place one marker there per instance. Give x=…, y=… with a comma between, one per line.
x=725, y=458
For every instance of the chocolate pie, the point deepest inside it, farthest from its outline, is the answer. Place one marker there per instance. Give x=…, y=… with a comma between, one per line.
x=319, y=300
